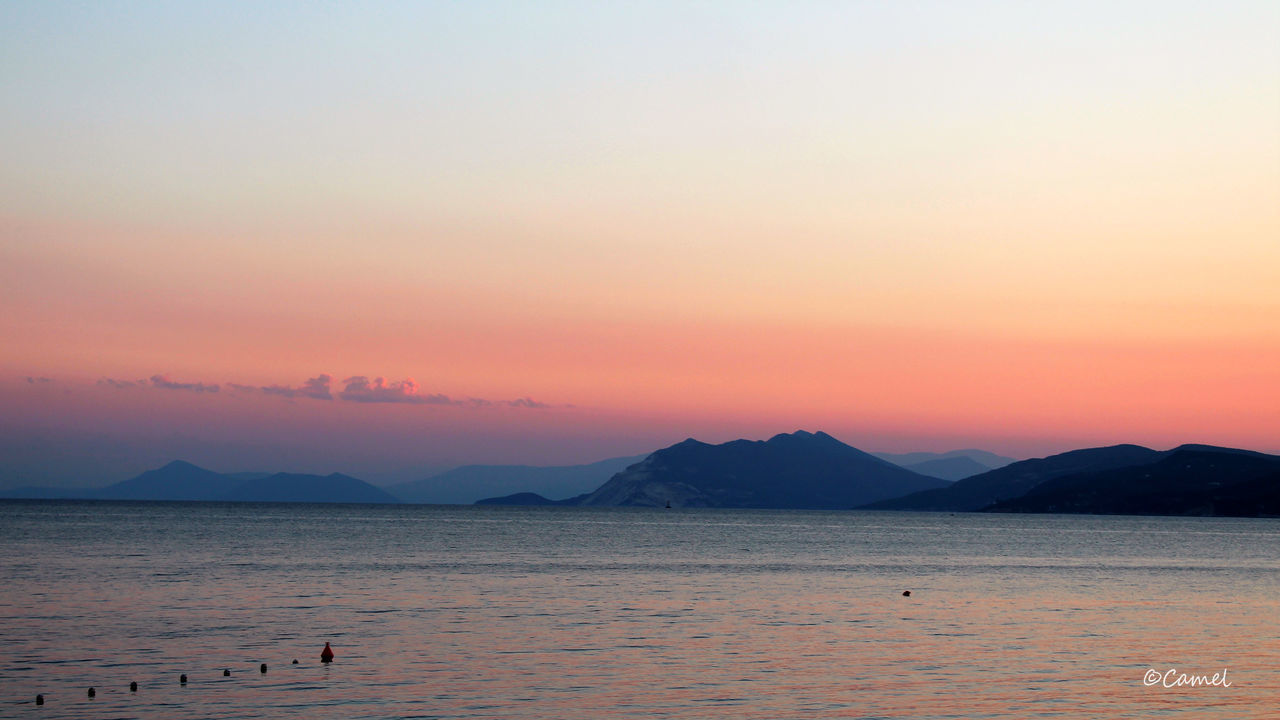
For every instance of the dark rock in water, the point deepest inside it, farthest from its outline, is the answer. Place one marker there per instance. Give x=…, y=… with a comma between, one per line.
x=262, y=668
x=182, y=678
x=92, y=692
x=133, y=687
x=295, y=661
x=226, y=673
x=797, y=470
x=906, y=593
x=39, y=699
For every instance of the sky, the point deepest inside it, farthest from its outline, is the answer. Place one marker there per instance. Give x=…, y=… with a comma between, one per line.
x=391, y=238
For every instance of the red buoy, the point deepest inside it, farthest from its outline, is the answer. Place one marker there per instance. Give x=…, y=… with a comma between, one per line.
x=326, y=655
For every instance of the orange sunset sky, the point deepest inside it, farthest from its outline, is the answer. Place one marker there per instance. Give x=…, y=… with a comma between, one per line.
x=562, y=232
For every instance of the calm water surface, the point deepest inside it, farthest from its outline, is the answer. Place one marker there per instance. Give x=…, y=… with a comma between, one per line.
x=477, y=612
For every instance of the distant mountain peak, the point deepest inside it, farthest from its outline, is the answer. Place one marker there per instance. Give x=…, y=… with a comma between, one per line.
x=818, y=438
x=180, y=465
x=795, y=434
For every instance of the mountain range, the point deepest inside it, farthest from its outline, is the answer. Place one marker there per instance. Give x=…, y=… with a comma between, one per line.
x=186, y=482
x=795, y=470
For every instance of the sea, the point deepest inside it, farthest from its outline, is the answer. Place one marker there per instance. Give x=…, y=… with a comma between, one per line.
x=567, y=613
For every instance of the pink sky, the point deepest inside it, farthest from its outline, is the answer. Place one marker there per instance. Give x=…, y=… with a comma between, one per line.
x=1020, y=229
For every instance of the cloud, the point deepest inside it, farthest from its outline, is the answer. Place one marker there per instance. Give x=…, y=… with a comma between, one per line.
x=360, y=389
x=38, y=380
x=316, y=388
x=527, y=402
x=357, y=389
x=163, y=382
x=120, y=384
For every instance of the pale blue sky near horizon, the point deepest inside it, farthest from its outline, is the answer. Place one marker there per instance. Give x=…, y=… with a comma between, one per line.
x=460, y=97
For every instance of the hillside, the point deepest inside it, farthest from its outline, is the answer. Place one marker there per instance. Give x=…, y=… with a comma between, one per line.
x=1192, y=480
x=1011, y=481
x=797, y=470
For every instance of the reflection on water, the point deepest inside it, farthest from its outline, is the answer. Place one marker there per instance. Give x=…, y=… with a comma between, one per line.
x=459, y=612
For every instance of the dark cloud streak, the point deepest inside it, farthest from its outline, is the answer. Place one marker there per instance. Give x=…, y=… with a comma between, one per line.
x=164, y=383
x=120, y=384
x=527, y=402
x=316, y=388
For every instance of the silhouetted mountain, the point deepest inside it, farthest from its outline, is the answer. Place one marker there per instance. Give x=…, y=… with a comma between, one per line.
x=1190, y=480
x=176, y=481
x=951, y=468
x=466, y=484
x=988, y=460
x=292, y=487
x=524, y=498
x=1011, y=481
x=800, y=470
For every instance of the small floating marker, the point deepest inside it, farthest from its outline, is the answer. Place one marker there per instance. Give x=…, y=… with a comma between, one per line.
x=182, y=678
x=226, y=673
x=133, y=687
x=295, y=661
x=262, y=668
x=906, y=593
x=39, y=699
x=326, y=655
x=92, y=692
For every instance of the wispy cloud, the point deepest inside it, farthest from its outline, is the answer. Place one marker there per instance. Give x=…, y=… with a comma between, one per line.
x=360, y=389
x=164, y=383
x=38, y=380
